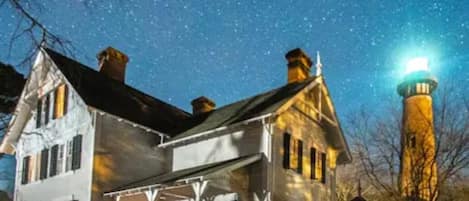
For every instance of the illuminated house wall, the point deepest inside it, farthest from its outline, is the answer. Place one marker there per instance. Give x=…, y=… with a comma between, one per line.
x=37, y=137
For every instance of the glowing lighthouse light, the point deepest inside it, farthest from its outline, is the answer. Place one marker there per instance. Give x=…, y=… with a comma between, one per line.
x=417, y=64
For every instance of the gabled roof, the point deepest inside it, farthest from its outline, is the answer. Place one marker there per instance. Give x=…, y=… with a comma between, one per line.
x=259, y=106
x=117, y=98
x=255, y=106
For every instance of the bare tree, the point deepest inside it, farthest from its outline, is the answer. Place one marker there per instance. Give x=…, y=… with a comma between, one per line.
x=11, y=86
x=33, y=31
x=376, y=143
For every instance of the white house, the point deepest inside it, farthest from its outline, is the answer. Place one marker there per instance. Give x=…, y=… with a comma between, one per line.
x=80, y=134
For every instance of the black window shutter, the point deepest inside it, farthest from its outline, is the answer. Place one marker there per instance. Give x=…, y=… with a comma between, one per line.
x=53, y=160
x=44, y=163
x=39, y=113
x=24, y=176
x=286, y=152
x=323, y=168
x=65, y=98
x=54, y=114
x=76, y=157
x=46, y=109
x=300, y=157
x=313, y=163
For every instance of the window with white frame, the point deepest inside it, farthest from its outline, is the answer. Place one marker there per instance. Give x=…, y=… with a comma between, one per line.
x=68, y=156
x=59, y=159
x=52, y=105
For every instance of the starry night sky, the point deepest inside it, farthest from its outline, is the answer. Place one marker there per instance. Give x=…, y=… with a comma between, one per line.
x=229, y=50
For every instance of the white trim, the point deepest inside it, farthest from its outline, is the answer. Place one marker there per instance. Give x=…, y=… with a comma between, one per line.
x=151, y=194
x=185, y=181
x=292, y=100
x=120, y=119
x=198, y=135
x=199, y=188
x=92, y=136
x=182, y=197
x=160, y=187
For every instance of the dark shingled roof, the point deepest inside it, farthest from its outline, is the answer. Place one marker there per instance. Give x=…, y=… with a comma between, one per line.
x=202, y=170
x=117, y=98
x=255, y=106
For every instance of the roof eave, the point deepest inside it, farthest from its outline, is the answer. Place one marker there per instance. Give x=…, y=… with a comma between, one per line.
x=175, y=142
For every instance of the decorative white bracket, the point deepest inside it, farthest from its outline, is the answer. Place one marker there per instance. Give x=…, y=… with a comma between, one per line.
x=199, y=188
x=152, y=194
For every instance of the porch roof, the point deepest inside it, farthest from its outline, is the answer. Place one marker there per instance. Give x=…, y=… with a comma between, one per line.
x=185, y=176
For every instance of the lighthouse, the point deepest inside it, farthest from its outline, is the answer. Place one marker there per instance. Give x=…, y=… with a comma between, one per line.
x=418, y=168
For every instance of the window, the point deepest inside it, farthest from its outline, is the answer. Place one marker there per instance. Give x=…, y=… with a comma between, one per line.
x=76, y=157
x=39, y=113
x=300, y=156
x=323, y=168
x=48, y=163
x=313, y=163
x=61, y=101
x=29, y=169
x=54, y=152
x=43, y=111
x=419, y=88
x=293, y=153
x=35, y=167
x=68, y=156
x=46, y=109
x=44, y=163
x=60, y=159
x=318, y=166
x=25, y=172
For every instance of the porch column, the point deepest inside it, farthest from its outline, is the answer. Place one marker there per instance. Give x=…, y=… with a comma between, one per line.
x=199, y=188
x=152, y=194
x=118, y=198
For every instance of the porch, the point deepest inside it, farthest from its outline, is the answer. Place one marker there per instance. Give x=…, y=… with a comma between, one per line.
x=204, y=182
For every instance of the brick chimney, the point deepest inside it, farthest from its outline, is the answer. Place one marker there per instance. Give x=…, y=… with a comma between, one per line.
x=112, y=63
x=202, y=105
x=299, y=65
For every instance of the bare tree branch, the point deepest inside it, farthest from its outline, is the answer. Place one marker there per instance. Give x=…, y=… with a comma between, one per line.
x=34, y=31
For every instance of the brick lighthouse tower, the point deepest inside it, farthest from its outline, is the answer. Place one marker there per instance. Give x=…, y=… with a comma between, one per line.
x=418, y=169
